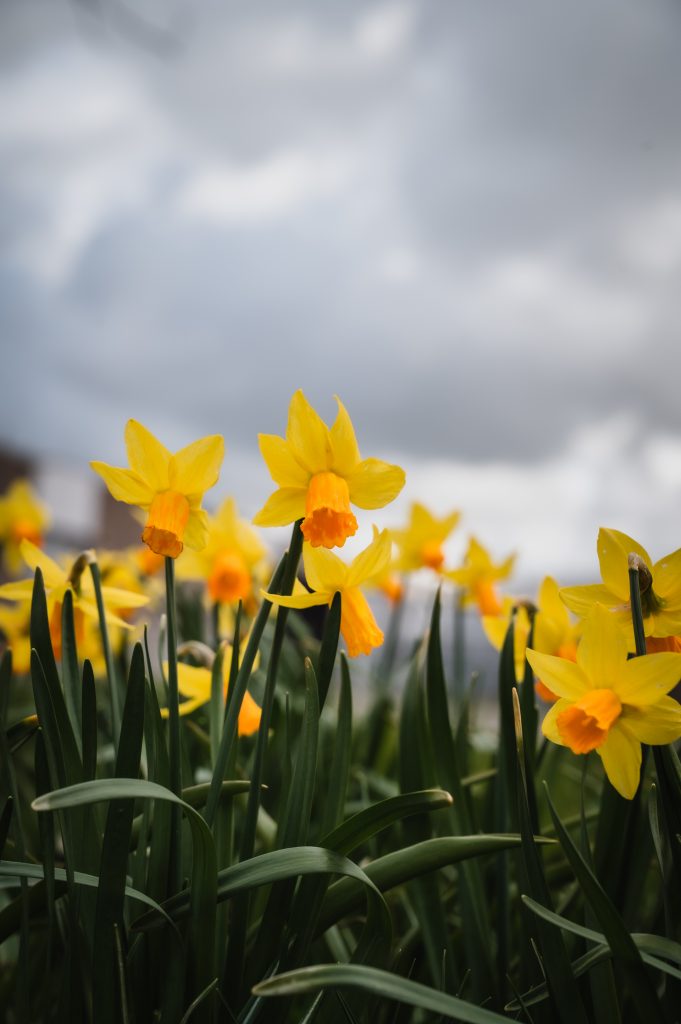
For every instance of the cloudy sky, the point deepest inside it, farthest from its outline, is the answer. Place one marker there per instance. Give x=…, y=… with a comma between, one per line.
x=461, y=216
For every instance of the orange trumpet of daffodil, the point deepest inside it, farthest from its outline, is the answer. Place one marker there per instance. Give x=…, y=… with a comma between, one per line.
x=328, y=575
x=22, y=517
x=168, y=487
x=194, y=682
x=478, y=576
x=420, y=542
x=608, y=703
x=660, y=585
x=319, y=473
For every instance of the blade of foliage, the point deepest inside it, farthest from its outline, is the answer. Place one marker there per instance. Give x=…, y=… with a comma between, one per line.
x=89, y=722
x=112, y=678
x=362, y=826
x=328, y=649
x=69, y=666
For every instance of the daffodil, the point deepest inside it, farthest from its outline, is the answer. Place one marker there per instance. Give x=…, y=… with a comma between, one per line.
x=328, y=575
x=22, y=517
x=15, y=626
x=478, y=577
x=233, y=556
x=57, y=582
x=194, y=683
x=420, y=543
x=660, y=585
x=608, y=703
x=319, y=473
x=168, y=487
x=554, y=631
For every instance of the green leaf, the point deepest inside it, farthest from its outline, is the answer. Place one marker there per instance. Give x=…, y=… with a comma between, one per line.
x=328, y=649
x=89, y=722
x=378, y=983
x=69, y=665
x=334, y=802
x=365, y=824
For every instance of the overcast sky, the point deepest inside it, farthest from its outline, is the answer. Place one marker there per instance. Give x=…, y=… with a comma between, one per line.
x=462, y=216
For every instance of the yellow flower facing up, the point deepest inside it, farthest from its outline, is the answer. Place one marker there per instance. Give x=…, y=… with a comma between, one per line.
x=420, y=544
x=608, y=703
x=478, y=577
x=22, y=517
x=194, y=683
x=168, y=487
x=328, y=575
x=554, y=631
x=320, y=473
x=233, y=556
x=57, y=581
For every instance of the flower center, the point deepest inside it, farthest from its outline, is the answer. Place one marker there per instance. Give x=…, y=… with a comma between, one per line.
x=487, y=598
x=328, y=520
x=166, y=522
x=23, y=529
x=229, y=578
x=358, y=624
x=393, y=588
x=585, y=725
x=432, y=554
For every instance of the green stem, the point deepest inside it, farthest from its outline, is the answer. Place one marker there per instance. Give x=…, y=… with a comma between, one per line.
x=116, y=712
x=174, y=747
x=637, y=610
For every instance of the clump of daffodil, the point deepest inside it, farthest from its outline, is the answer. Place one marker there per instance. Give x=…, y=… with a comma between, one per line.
x=420, y=543
x=234, y=556
x=478, y=576
x=554, y=631
x=320, y=473
x=328, y=575
x=659, y=582
x=22, y=517
x=58, y=581
x=168, y=487
x=194, y=683
x=609, y=703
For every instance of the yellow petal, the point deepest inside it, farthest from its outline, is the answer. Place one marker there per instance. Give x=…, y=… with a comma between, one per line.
x=22, y=590
x=375, y=484
x=117, y=597
x=196, y=467
x=602, y=652
x=549, y=727
x=496, y=628
x=325, y=572
x=550, y=603
x=35, y=558
x=89, y=607
x=647, y=679
x=621, y=754
x=249, y=716
x=667, y=577
x=664, y=623
x=657, y=723
x=297, y=600
x=124, y=484
x=196, y=530
x=581, y=600
x=613, y=556
x=193, y=681
x=147, y=456
x=370, y=562
x=308, y=435
x=284, y=469
x=561, y=676
x=186, y=706
x=346, y=455
x=283, y=507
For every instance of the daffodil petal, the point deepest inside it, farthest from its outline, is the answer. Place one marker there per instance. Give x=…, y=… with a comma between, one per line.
x=124, y=484
x=561, y=676
x=647, y=679
x=375, y=484
x=148, y=458
x=325, y=572
x=196, y=530
x=369, y=563
x=193, y=681
x=667, y=577
x=282, y=464
x=621, y=755
x=283, y=507
x=581, y=600
x=308, y=435
x=549, y=601
x=250, y=714
x=344, y=446
x=35, y=558
x=186, y=707
x=613, y=553
x=549, y=727
x=117, y=597
x=664, y=623
x=496, y=628
x=89, y=608
x=21, y=590
x=657, y=723
x=602, y=652
x=196, y=467
x=297, y=600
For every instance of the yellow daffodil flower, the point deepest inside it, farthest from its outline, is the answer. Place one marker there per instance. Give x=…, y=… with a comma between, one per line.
x=233, y=556
x=194, y=682
x=22, y=517
x=608, y=703
x=660, y=585
x=420, y=543
x=168, y=487
x=328, y=575
x=478, y=575
x=57, y=581
x=554, y=631
x=15, y=625
x=319, y=472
